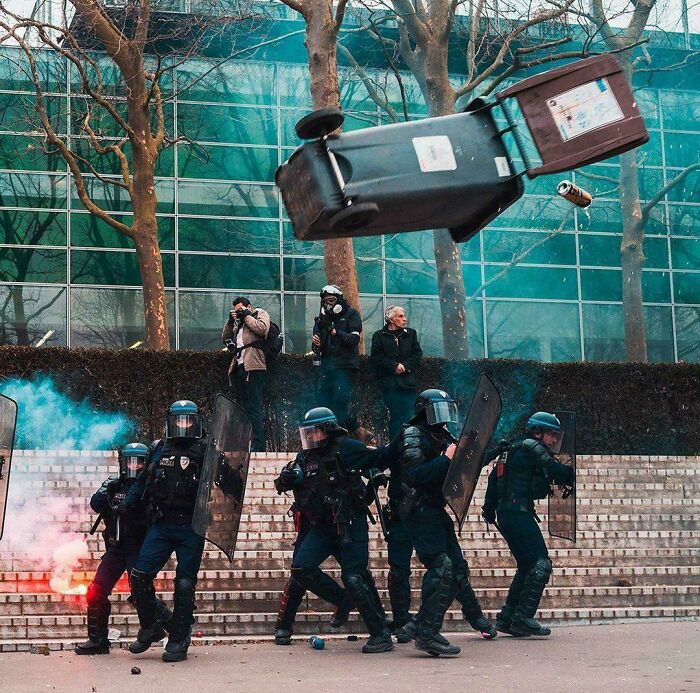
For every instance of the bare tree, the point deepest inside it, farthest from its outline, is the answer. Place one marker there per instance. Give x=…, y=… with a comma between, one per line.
x=496, y=48
x=322, y=27
x=119, y=135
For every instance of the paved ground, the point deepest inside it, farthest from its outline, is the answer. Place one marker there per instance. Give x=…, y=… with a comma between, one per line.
x=662, y=656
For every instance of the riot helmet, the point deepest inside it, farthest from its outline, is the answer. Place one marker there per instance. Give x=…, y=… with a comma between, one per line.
x=332, y=300
x=318, y=427
x=436, y=407
x=543, y=423
x=132, y=459
x=183, y=420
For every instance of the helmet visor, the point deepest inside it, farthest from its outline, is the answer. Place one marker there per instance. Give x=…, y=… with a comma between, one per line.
x=443, y=412
x=312, y=437
x=132, y=465
x=553, y=439
x=183, y=426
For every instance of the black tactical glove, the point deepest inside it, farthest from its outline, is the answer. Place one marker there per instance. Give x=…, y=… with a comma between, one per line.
x=288, y=478
x=109, y=485
x=378, y=478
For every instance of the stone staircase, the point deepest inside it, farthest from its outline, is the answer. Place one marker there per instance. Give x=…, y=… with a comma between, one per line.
x=637, y=554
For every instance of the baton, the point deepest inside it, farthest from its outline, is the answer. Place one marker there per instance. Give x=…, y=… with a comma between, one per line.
x=96, y=524
x=379, y=511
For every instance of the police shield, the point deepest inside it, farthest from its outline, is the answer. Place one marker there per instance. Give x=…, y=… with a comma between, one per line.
x=561, y=508
x=221, y=490
x=466, y=465
x=8, y=421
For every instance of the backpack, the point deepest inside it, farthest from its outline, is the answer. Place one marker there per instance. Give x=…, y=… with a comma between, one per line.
x=272, y=344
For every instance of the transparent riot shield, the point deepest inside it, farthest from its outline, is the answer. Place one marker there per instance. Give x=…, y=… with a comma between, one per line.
x=561, y=508
x=221, y=490
x=466, y=465
x=8, y=421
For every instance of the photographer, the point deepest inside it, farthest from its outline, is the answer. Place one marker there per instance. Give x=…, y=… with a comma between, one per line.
x=244, y=334
x=335, y=341
x=395, y=357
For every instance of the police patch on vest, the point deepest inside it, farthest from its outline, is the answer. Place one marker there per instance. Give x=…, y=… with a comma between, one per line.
x=184, y=462
x=167, y=462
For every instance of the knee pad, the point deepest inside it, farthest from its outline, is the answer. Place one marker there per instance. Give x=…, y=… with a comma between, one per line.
x=441, y=565
x=184, y=585
x=542, y=569
x=141, y=583
x=95, y=594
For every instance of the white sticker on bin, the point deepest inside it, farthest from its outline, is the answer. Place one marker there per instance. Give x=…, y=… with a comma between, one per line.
x=502, y=166
x=435, y=153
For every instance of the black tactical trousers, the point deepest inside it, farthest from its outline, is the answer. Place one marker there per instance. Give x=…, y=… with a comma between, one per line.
x=399, y=550
x=526, y=543
x=336, y=389
x=248, y=389
x=399, y=403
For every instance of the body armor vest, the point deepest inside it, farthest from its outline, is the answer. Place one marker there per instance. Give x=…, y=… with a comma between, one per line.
x=176, y=478
x=434, y=442
x=520, y=478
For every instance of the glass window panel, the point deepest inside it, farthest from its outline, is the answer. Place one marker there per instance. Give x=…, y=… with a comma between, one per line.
x=681, y=109
x=16, y=74
x=228, y=199
x=109, y=164
x=307, y=274
x=686, y=191
x=210, y=123
x=650, y=154
x=684, y=220
x=353, y=93
x=228, y=235
x=109, y=76
x=531, y=282
x=656, y=287
x=368, y=246
x=540, y=331
x=32, y=190
x=412, y=97
x=18, y=112
x=294, y=85
x=599, y=180
x=357, y=120
x=604, y=251
x=685, y=253
x=203, y=315
x=292, y=246
x=656, y=252
x=42, y=265
x=543, y=185
x=32, y=228
x=686, y=287
x=417, y=278
x=647, y=101
x=27, y=154
x=681, y=149
x=372, y=317
x=601, y=285
x=232, y=81
x=88, y=231
x=102, y=121
x=471, y=249
x=604, y=333
x=415, y=245
x=112, y=318
x=606, y=216
x=110, y=268
x=537, y=213
x=112, y=198
x=28, y=312
x=504, y=246
x=229, y=272
x=299, y=313
x=227, y=163
x=688, y=334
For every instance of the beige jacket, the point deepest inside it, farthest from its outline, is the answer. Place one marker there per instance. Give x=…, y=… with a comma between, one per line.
x=255, y=327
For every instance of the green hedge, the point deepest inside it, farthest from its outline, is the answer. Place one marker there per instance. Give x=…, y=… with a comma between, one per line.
x=622, y=408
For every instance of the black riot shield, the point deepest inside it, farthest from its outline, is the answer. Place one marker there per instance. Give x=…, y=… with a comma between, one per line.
x=466, y=465
x=8, y=421
x=221, y=490
x=561, y=508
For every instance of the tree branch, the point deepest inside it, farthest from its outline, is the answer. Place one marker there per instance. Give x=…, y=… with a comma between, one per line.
x=646, y=209
x=339, y=15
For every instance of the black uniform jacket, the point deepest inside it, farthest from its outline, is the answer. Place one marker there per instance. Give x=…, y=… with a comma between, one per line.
x=391, y=347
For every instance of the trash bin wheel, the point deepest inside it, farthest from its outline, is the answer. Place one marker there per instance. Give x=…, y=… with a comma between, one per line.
x=319, y=123
x=354, y=216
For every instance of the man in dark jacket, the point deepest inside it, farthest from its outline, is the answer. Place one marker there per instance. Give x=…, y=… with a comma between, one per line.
x=336, y=340
x=395, y=357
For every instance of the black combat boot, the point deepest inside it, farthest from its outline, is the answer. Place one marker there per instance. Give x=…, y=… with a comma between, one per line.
x=176, y=651
x=471, y=608
x=523, y=623
x=504, y=619
x=363, y=594
x=146, y=637
x=292, y=596
x=407, y=632
x=144, y=597
x=438, y=587
x=97, y=642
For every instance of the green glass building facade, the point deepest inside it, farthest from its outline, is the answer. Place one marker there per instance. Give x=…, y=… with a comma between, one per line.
x=223, y=230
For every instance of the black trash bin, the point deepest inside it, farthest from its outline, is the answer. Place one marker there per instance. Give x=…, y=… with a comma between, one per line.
x=449, y=172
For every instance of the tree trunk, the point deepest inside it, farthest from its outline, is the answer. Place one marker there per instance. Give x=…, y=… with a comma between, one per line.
x=439, y=96
x=632, y=259
x=20, y=321
x=321, y=48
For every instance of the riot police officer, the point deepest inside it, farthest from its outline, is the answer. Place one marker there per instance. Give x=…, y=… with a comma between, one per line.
x=325, y=586
x=524, y=471
x=326, y=478
x=123, y=535
x=427, y=448
x=169, y=485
